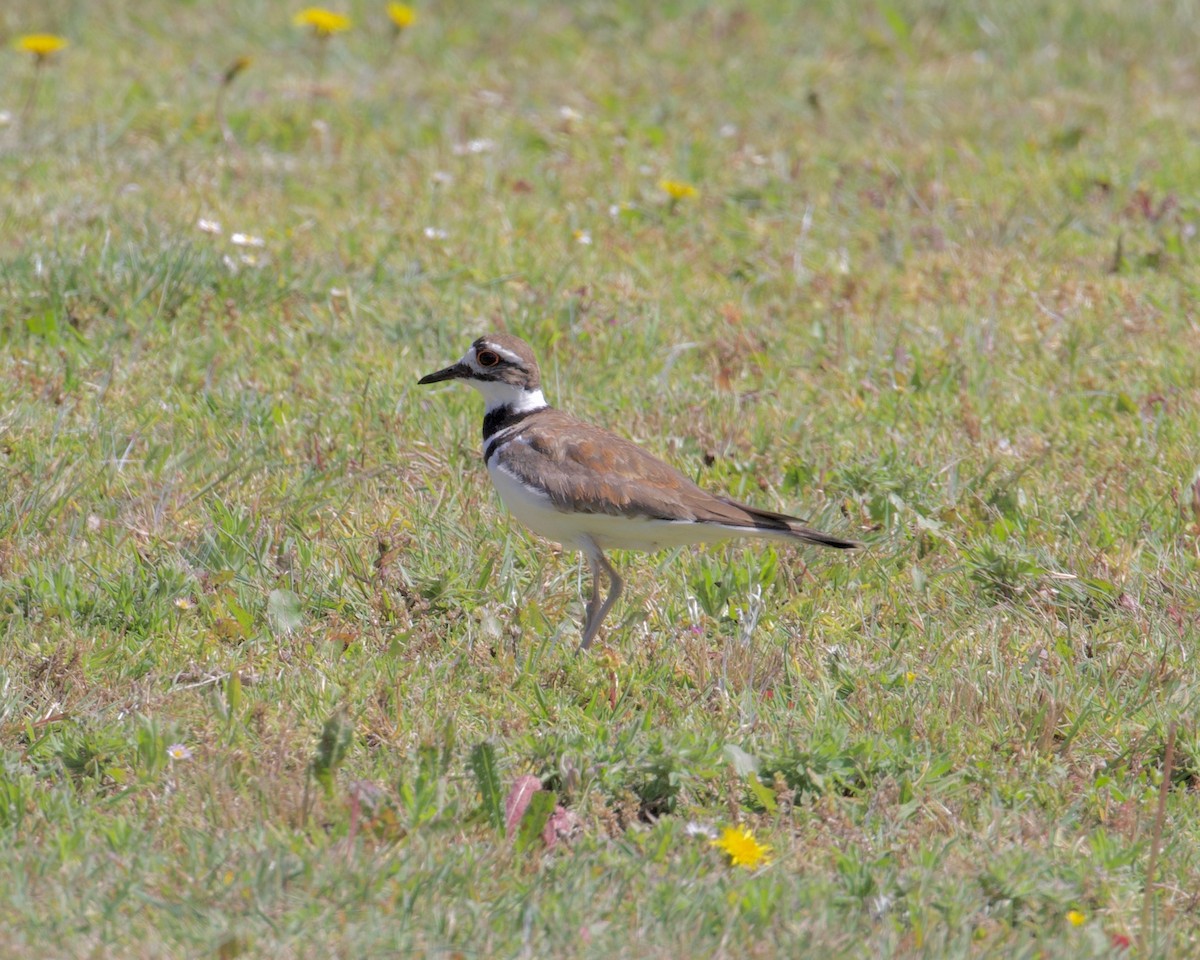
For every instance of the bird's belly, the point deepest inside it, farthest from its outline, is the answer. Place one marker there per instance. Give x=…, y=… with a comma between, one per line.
x=536, y=510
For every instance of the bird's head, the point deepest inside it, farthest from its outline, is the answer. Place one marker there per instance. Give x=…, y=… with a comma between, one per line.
x=501, y=367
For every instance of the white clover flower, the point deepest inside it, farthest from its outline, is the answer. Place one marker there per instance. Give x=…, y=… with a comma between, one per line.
x=482, y=145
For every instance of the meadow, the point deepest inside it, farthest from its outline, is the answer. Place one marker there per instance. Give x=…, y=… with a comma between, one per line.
x=274, y=657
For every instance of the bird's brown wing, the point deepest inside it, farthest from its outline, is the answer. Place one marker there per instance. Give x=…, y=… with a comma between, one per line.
x=584, y=469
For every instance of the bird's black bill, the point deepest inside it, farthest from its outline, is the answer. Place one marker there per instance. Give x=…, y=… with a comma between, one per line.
x=452, y=372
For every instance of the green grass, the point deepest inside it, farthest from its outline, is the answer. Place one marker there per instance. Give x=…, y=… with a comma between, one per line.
x=937, y=290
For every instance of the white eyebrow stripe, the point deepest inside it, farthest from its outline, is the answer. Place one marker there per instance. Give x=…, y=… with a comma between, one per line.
x=506, y=354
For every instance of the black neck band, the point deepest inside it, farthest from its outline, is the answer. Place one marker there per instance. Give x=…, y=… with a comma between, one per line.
x=499, y=419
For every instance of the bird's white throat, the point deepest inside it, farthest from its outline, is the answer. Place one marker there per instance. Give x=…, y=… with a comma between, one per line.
x=498, y=394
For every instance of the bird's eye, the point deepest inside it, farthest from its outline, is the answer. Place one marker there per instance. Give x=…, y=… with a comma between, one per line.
x=487, y=359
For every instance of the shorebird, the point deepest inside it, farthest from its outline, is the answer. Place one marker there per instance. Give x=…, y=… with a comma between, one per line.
x=589, y=489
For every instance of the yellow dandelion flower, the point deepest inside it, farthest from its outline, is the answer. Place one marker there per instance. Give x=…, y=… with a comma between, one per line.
x=402, y=15
x=324, y=22
x=41, y=45
x=677, y=189
x=743, y=850
x=1075, y=918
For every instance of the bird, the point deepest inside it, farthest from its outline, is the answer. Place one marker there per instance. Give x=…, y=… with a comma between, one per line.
x=591, y=490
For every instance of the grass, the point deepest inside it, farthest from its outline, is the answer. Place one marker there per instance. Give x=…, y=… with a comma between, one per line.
x=936, y=290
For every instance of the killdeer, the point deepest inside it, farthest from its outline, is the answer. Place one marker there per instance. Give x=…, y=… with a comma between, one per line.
x=589, y=489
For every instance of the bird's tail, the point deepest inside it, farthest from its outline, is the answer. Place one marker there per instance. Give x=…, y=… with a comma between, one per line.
x=793, y=528
x=809, y=535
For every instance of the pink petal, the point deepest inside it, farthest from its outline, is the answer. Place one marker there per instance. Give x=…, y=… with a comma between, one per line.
x=517, y=801
x=561, y=825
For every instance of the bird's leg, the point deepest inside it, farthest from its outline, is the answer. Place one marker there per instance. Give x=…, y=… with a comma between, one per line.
x=589, y=611
x=590, y=624
x=596, y=614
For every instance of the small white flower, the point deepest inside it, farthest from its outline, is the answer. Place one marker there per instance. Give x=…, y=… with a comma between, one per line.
x=584, y=237
x=728, y=130
x=177, y=751
x=247, y=240
x=208, y=226
x=183, y=603
x=706, y=831
x=569, y=114
x=230, y=263
x=435, y=233
x=442, y=178
x=5, y=118
x=482, y=145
